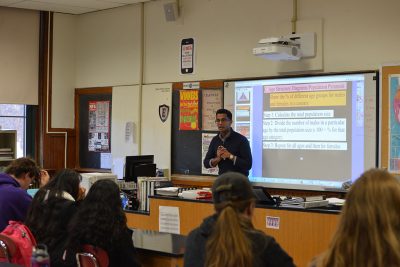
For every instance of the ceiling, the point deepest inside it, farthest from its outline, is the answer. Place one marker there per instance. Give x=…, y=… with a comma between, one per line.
x=68, y=6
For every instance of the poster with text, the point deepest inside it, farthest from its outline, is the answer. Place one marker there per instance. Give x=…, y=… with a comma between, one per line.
x=394, y=123
x=99, y=126
x=188, y=110
x=205, y=143
x=211, y=102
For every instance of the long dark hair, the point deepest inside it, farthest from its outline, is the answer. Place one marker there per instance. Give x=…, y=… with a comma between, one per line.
x=44, y=213
x=100, y=220
x=66, y=180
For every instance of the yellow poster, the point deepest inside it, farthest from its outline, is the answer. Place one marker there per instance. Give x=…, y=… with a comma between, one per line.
x=188, y=110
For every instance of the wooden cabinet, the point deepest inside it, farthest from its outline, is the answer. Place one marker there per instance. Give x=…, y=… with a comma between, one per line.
x=304, y=234
x=8, y=147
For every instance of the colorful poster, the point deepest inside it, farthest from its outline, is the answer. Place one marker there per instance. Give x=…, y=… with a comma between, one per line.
x=205, y=143
x=212, y=101
x=394, y=123
x=99, y=126
x=243, y=104
x=188, y=110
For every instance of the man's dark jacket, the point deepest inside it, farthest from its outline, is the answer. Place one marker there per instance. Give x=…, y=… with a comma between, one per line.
x=236, y=144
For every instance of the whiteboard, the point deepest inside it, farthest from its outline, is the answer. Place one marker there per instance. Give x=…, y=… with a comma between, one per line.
x=313, y=132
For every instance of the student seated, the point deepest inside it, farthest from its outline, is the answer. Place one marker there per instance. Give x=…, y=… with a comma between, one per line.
x=228, y=237
x=101, y=222
x=14, y=200
x=51, y=210
x=368, y=234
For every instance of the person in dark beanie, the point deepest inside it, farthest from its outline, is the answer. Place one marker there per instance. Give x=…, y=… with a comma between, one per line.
x=228, y=237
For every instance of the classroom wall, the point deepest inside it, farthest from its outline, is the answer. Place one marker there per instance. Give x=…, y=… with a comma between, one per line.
x=125, y=109
x=355, y=35
x=92, y=50
x=64, y=66
x=107, y=51
x=156, y=134
x=19, y=56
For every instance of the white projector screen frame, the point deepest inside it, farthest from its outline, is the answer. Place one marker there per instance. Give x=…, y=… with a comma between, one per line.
x=307, y=132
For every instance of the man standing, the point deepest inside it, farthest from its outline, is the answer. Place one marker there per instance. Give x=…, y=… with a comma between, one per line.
x=14, y=200
x=229, y=150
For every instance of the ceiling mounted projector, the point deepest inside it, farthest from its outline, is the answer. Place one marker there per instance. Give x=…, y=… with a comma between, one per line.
x=286, y=48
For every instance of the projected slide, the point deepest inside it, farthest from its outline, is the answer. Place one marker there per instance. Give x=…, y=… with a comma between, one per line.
x=306, y=131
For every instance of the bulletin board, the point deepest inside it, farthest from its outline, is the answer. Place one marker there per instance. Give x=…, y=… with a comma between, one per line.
x=93, y=124
x=190, y=119
x=390, y=126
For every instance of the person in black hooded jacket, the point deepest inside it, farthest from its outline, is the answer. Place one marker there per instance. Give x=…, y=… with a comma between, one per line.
x=100, y=221
x=228, y=237
x=52, y=208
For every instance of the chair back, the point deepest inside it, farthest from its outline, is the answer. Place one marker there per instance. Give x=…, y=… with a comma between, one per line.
x=7, y=248
x=92, y=256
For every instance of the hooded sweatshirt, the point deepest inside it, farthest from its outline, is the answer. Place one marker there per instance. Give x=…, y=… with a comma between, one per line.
x=14, y=201
x=266, y=250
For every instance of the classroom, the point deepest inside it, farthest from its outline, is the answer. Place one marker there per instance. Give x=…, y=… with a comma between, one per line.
x=58, y=54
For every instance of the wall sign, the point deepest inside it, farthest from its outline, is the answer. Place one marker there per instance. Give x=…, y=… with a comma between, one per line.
x=163, y=112
x=390, y=118
x=99, y=126
x=272, y=222
x=205, y=143
x=394, y=122
x=187, y=56
x=189, y=110
x=212, y=101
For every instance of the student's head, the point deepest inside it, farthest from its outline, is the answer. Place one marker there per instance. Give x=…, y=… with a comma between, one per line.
x=234, y=203
x=100, y=219
x=232, y=189
x=369, y=231
x=105, y=192
x=223, y=119
x=66, y=180
x=24, y=170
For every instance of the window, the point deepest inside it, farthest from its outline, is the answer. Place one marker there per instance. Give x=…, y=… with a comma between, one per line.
x=13, y=117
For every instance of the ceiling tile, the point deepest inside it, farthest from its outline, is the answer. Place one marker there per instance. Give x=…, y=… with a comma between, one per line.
x=124, y=1
x=68, y=6
x=52, y=7
x=7, y=2
x=82, y=3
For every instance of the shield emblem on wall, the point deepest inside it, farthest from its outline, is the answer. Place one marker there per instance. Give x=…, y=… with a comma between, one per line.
x=163, y=111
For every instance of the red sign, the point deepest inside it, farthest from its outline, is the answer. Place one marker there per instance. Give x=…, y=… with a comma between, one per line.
x=189, y=110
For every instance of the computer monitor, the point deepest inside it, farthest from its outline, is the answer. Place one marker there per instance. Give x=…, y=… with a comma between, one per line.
x=131, y=162
x=148, y=170
x=262, y=196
